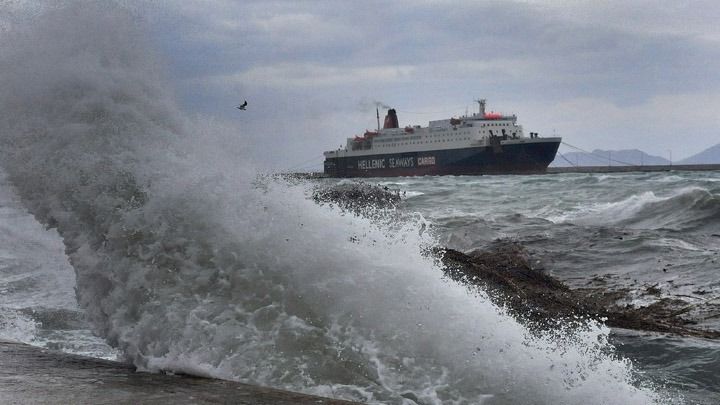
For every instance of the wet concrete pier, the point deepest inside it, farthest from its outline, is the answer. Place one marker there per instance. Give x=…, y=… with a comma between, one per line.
x=31, y=375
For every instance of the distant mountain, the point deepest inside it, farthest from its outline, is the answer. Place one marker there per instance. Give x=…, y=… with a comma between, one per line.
x=598, y=157
x=708, y=156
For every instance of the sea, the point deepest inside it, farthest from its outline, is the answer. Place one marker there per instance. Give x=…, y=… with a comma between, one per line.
x=131, y=231
x=343, y=306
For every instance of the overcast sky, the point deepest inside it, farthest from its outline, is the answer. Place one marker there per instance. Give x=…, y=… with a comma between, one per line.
x=601, y=74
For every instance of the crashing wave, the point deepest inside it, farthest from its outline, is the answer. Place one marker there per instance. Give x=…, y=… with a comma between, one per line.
x=184, y=264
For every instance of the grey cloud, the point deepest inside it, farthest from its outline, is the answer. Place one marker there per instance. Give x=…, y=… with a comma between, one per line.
x=569, y=60
x=423, y=55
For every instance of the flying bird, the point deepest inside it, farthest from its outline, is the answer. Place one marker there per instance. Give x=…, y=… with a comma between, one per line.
x=242, y=106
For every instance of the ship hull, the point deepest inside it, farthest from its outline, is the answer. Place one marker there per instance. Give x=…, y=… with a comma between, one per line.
x=516, y=158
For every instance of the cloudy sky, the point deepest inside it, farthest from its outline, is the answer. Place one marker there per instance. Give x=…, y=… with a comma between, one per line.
x=601, y=74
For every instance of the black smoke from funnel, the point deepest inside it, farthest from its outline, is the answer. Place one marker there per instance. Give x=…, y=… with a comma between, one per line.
x=380, y=104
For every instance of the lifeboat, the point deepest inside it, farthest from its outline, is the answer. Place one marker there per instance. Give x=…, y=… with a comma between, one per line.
x=455, y=121
x=492, y=116
x=409, y=130
x=369, y=134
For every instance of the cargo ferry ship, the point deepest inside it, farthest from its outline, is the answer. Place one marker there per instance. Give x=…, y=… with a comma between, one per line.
x=481, y=143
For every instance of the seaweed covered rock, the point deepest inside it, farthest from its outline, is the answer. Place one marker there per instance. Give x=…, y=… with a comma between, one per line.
x=357, y=196
x=505, y=273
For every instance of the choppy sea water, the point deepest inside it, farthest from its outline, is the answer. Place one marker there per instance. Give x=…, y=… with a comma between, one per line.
x=130, y=231
x=659, y=229
x=631, y=230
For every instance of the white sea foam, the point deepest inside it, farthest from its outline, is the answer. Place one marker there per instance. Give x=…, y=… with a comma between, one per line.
x=16, y=326
x=186, y=261
x=411, y=194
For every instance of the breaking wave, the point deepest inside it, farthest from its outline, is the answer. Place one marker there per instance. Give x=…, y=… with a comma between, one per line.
x=186, y=262
x=690, y=208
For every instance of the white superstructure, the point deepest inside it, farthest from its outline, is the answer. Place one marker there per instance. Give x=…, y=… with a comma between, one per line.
x=477, y=130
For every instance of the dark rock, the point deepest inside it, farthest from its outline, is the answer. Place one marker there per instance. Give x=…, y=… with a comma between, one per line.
x=357, y=196
x=540, y=301
x=653, y=290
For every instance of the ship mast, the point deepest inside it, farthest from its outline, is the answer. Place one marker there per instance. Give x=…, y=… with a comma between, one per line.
x=377, y=112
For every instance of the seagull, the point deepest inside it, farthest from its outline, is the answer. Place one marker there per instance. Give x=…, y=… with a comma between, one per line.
x=242, y=106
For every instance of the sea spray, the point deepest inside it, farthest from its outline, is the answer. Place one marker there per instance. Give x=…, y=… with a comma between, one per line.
x=185, y=263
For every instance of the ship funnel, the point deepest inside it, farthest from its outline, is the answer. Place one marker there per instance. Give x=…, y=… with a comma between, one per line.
x=391, y=120
x=481, y=102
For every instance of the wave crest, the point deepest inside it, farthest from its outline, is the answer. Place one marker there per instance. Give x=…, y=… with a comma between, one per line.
x=691, y=208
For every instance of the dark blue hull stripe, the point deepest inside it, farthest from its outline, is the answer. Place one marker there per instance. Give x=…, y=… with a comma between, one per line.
x=516, y=158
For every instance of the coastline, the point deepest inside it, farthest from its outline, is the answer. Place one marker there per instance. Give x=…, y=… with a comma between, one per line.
x=635, y=168
x=559, y=170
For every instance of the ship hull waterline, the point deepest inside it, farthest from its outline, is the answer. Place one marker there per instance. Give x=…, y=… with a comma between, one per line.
x=518, y=158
